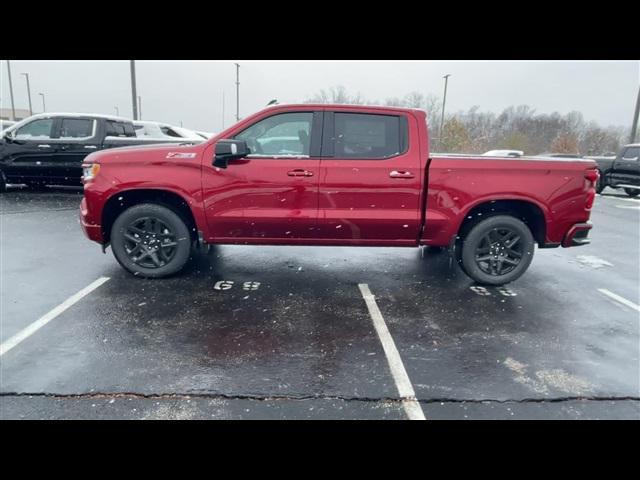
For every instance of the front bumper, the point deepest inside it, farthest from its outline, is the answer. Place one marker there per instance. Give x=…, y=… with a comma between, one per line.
x=577, y=235
x=92, y=230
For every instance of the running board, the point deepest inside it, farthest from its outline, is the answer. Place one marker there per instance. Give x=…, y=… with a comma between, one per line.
x=634, y=187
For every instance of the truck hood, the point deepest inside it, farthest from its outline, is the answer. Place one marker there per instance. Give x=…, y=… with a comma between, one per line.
x=146, y=153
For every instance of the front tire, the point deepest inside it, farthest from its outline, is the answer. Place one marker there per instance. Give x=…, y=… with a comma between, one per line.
x=632, y=192
x=150, y=241
x=497, y=250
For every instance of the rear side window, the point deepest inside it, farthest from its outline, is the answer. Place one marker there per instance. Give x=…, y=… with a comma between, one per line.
x=76, y=128
x=631, y=153
x=120, y=129
x=369, y=136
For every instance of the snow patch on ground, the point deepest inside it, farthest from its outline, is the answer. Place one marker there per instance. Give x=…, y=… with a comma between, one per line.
x=593, y=261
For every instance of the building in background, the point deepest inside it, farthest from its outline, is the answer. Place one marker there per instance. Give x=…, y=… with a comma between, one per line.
x=21, y=114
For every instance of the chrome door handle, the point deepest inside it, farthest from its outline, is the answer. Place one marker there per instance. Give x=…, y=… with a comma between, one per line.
x=400, y=174
x=44, y=146
x=299, y=172
x=93, y=147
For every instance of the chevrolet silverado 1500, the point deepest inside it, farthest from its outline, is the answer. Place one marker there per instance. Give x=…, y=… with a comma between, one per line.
x=333, y=175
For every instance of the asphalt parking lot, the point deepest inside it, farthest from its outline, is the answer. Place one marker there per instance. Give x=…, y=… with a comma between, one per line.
x=292, y=333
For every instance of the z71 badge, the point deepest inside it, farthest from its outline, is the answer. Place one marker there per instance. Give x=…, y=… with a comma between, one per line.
x=181, y=155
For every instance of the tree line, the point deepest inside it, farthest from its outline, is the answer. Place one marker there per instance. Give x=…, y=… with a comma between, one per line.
x=515, y=128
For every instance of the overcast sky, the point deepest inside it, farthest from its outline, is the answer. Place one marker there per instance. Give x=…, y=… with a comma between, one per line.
x=191, y=91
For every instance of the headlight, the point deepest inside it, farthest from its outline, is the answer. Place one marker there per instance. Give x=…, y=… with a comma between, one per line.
x=89, y=172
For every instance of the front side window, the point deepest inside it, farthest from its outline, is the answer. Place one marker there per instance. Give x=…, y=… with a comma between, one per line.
x=631, y=153
x=36, y=130
x=368, y=136
x=286, y=134
x=76, y=128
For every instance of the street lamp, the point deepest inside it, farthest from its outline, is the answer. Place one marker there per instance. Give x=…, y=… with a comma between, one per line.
x=43, y=107
x=444, y=102
x=237, y=92
x=139, y=107
x=117, y=111
x=26, y=75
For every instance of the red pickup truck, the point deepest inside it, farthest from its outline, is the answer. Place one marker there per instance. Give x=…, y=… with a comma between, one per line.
x=332, y=175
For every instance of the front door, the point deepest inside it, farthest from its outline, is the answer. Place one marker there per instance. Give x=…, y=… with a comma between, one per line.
x=30, y=153
x=370, y=179
x=271, y=196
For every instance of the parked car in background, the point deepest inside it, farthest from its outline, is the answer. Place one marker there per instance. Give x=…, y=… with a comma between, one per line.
x=503, y=153
x=621, y=171
x=333, y=175
x=560, y=155
x=49, y=148
x=164, y=131
x=205, y=135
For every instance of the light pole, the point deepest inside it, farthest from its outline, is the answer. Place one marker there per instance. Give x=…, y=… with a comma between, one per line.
x=634, y=125
x=222, y=109
x=117, y=111
x=26, y=75
x=237, y=92
x=133, y=89
x=140, y=107
x=13, y=107
x=43, y=107
x=444, y=102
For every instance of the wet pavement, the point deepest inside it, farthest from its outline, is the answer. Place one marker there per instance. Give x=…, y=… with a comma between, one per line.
x=284, y=332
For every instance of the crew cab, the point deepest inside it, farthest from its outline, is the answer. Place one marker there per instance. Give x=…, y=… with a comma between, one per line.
x=354, y=176
x=49, y=148
x=621, y=171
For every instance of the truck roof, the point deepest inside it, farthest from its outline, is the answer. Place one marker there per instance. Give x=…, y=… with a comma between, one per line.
x=19, y=124
x=78, y=115
x=343, y=105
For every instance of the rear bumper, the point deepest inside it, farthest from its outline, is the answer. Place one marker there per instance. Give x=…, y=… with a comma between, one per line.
x=92, y=230
x=577, y=235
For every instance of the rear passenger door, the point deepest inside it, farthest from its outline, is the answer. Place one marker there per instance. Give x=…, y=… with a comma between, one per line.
x=370, y=178
x=77, y=138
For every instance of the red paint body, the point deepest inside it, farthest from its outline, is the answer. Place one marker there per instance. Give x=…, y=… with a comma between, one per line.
x=341, y=201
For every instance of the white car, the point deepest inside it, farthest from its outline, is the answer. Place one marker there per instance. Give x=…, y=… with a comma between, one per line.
x=6, y=124
x=164, y=131
x=503, y=153
x=205, y=135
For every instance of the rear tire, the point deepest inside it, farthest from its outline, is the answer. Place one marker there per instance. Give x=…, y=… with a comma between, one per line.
x=600, y=185
x=497, y=250
x=150, y=241
x=632, y=192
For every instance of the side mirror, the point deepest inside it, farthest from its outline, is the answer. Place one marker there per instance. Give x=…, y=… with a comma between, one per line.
x=227, y=150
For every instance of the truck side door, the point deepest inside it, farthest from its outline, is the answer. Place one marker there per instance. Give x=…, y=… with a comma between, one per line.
x=29, y=154
x=77, y=138
x=370, y=178
x=271, y=195
x=626, y=169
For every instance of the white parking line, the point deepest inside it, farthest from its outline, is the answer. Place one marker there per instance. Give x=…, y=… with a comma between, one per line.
x=47, y=317
x=619, y=299
x=411, y=406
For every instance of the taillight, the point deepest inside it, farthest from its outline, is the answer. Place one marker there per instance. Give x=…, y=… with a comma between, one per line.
x=591, y=196
x=592, y=175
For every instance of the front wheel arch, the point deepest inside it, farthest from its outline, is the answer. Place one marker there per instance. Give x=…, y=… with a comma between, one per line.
x=121, y=201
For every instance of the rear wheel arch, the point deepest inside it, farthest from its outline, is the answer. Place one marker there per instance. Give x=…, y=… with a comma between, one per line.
x=121, y=201
x=528, y=212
